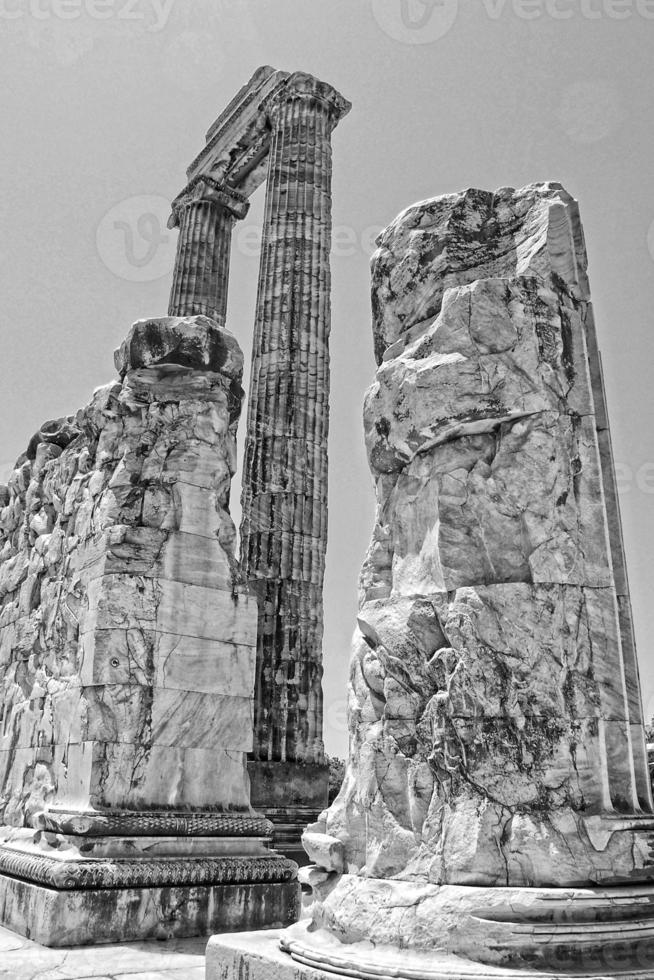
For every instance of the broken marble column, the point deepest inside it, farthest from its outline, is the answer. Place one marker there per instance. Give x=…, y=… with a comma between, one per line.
x=127, y=655
x=205, y=212
x=495, y=816
x=284, y=526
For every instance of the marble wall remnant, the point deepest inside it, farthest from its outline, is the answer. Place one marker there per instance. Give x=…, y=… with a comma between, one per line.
x=127, y=656
x=496, y=806
x=284, y=501
x=278, y=129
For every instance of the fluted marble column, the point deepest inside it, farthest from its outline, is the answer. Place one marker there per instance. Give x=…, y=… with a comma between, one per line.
x=206, y=212
x=284, y=527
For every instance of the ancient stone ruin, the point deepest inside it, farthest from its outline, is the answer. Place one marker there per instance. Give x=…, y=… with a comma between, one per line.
x=140, y=662
x=496, y=814
x=128, y=651
x=278, y=128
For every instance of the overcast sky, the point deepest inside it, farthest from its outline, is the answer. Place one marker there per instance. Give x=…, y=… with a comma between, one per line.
x=105, y=102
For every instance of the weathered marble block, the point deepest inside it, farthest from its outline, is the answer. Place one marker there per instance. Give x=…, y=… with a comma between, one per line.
x=127, y=651
x=496, y=812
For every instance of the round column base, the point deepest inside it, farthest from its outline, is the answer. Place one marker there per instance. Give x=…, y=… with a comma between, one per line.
x=383, y=929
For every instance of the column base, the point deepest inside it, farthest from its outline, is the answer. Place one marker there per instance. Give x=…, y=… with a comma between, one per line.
x=90, y=917
x=64, y=889
x=291, y=795
x=494, y=931
x=320, y=956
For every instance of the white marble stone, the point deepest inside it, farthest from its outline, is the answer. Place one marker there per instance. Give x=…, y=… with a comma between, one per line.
x=257, y=956
x=496, y=803
x=127, y=648
x=120, y=619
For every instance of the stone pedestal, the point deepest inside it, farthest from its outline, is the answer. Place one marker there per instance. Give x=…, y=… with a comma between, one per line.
x=127, y=653
x=295, y=954
x=73, y=917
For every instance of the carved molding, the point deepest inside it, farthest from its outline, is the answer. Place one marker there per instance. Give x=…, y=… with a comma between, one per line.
x=152, y=824
x=148, y=873
x=238, y=141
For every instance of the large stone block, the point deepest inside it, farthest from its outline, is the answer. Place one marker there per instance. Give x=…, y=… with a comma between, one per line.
x=196, y=343
x=495, y=814
x=95, y=916
x=454, y=240
x=127, y=660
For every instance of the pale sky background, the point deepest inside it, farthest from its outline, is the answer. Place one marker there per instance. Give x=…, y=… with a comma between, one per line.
x=105, y=102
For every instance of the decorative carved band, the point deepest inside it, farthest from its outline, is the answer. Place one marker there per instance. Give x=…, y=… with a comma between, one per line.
x=205, y=188
x=125, y=823
x=238, y=141
x=148, y=873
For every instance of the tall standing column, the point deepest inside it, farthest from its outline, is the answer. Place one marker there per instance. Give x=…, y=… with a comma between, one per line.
x=206, y=212
x=284, y=527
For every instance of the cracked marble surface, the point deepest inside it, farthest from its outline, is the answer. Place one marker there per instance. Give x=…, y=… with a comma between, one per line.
x=494, y=704
x=22, y=959
x=119, y=585
x=490, y=700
